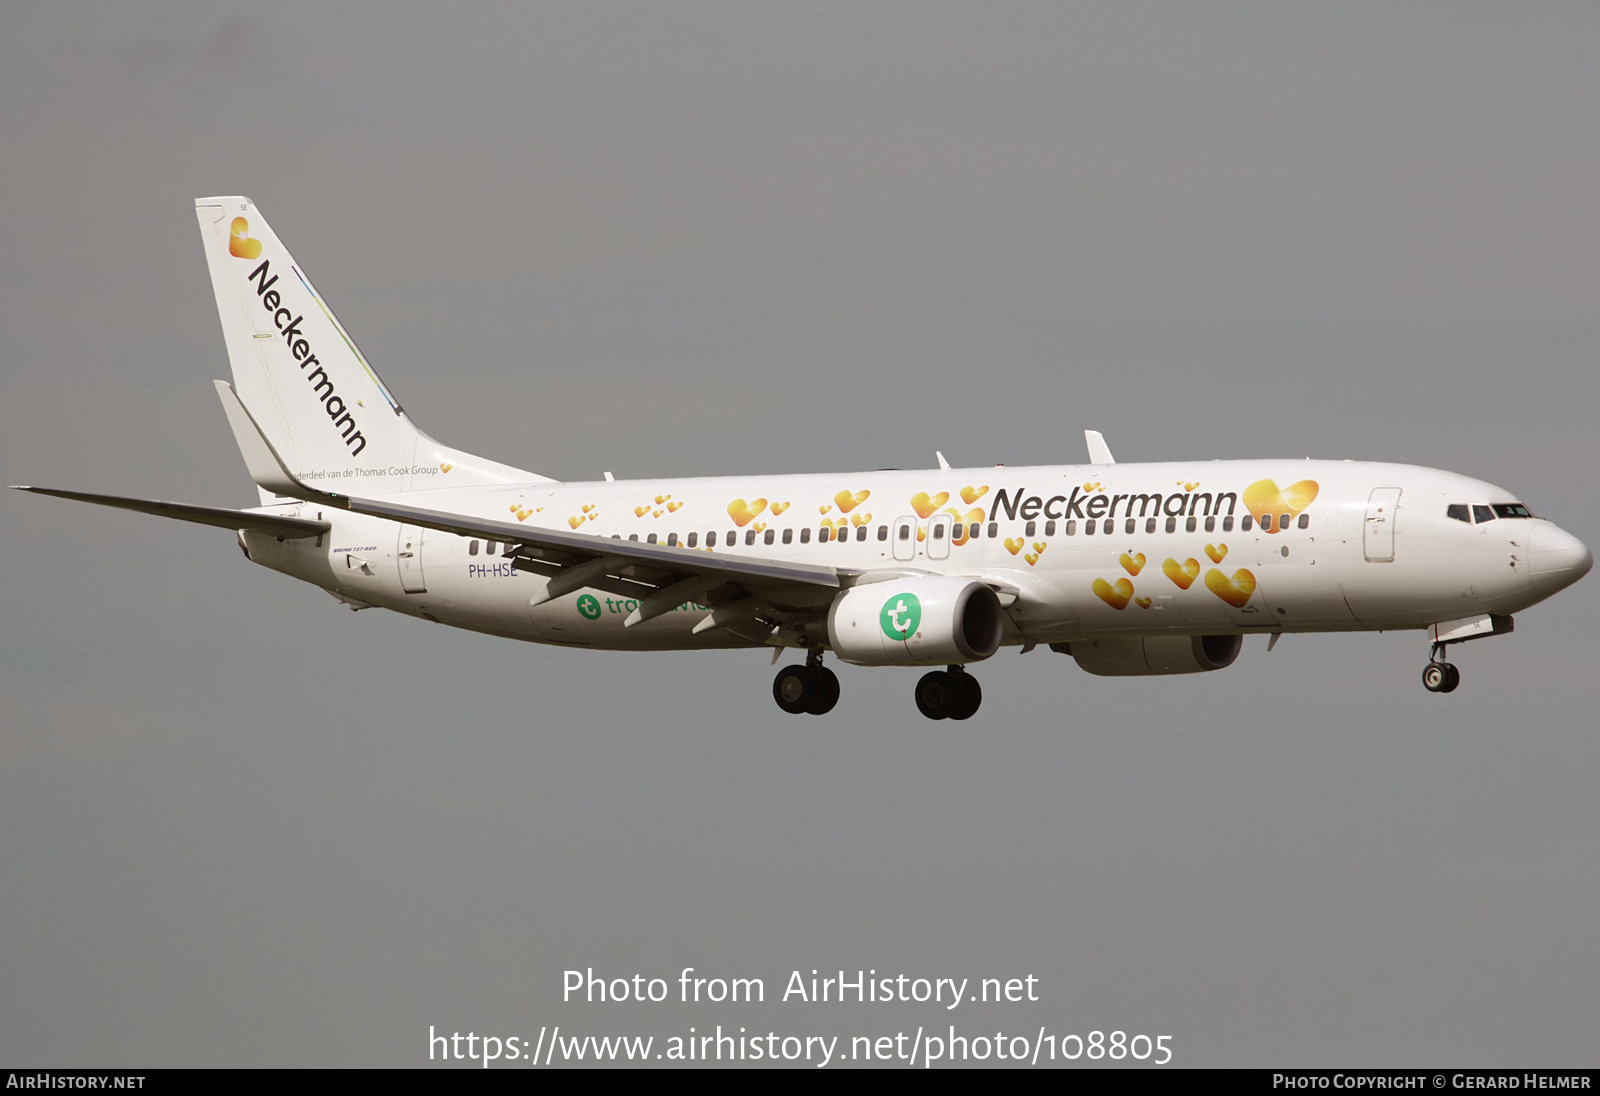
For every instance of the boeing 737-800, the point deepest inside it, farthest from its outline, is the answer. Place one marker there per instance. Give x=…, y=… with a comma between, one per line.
x=1128, y=568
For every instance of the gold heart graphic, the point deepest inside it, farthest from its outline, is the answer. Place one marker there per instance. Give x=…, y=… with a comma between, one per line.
x=522, y=515
x=848, y=502
x=1182, y=574
x=1191, y=486
x=662, y=498
x=1115, y=596
x=640, y=511
x=513, y=508
x=860, y=519
x=922, y=534
x=673, y=507
x=1217, y=552
x=778, y=508
x=743, y=513
x=538, y=509
x=925, y=504
x=823, y=509
x=446, y=467
x=655, y=513
x=759, y=526
x=1031, y=558
x=575, y=522
x=1235, y=591
x=1132, y=564
x=1263, y=498
x=588, y=507
x=240, y=245
x=593, y=516
x=1039, y=547
x=970, y=495
x=1142, y=602
x=1014, y=545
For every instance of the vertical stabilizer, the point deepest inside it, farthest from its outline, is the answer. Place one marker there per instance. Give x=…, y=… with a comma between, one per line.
x=323, y=408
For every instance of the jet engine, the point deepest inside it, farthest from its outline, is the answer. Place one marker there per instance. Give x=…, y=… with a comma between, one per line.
x=1146, y=655
x=926, y=621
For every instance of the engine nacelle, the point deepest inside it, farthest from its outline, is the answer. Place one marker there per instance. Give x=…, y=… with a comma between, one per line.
x=1144, y=655
x=927, y=621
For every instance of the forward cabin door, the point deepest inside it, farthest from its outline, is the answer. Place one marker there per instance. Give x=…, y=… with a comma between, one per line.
x=408, y=551
x=905, y=538
x=1377, y=537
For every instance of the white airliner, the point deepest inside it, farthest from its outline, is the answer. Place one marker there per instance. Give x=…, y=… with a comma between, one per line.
x=1128, y=568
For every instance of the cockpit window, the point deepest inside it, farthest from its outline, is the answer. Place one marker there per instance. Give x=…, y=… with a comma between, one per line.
x=1481, y=514
x=1512, y=510
x=1458, y=511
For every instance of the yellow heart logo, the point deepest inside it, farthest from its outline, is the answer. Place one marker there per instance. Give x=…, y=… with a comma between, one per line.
x=575, y=522
x=1182, y=574
x=1235, y=591
x=1191, y=486
x=513, y=508
x=589, y=507
x=640, y=511
x=1263, y=499
x=759, y=526
x=446, y=467
x=925, y=504
x=240, y=245
x=1014, y=545
x=656, y=513
x=593, y=516
x=1115, y=596
x=538, y=509
x=662, y=498
x=522, y=515
x=673, y=507
x=1142, y=602
x=848, y=502
x=970, y=495
x=778, y=508
x=1039, y=547
x=860, y=519
x=743, y=513
x=1031, y=558
x=922, y=534
x=1217, y=552
x=823, y=509
x=1132, y=564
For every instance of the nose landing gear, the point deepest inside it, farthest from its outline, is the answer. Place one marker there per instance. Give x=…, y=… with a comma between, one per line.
x=1439, y=676
x=949, y=694
x=812, y=689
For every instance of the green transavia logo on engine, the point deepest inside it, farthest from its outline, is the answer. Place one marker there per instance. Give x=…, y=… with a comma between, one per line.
x=900, y=617
x=589, y=607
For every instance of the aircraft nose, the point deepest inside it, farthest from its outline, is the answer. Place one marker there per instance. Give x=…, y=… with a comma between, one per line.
x=1556, y=558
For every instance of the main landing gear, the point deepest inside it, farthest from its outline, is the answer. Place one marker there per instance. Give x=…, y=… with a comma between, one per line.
x=949, y=694
x=1439, y=676
x=811, y=689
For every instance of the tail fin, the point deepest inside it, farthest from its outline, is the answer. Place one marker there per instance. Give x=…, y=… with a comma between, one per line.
x=323, y=408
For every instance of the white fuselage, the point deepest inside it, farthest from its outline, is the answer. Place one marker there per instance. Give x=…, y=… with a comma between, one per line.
x=1082, y=550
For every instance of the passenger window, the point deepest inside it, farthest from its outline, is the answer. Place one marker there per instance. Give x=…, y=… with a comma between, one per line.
x=883, y=532
x=1109, y=527
x=672, y=540
x=1189, y=526
x=1244, y=524
x=488, y=547
x=805, y=535
x=749, y=536
x=472, y=545
x=861, y=532
x=1172, y=525
x=633, y=536
x=1030, y=529
x=769, y=536
x=1071, y=528
x=732, y=538
x=994, y=529
x=1283, y=522
x=788, y=536
x=938, y=531
x=1088, y=528
x=1305, y=521
x=1129, y=527
x=1049, y=528
x=905, y=532
x=1266, y=523
x=694, y=538
x=1481, y=514
x=1149, y=525
x=823, y=534
x=973, y=530
x=711, y=539
x=1211, y=524
x=1458, y=511
x=651, y=538
x=1227, y=524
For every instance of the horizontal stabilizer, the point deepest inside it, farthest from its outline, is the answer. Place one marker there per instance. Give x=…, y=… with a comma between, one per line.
x=223, y=518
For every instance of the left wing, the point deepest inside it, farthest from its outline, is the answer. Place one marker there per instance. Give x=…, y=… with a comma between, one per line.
x=276, y=525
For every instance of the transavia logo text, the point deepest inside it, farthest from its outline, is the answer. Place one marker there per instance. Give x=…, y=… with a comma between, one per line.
x=294, y=339
x=900, y=617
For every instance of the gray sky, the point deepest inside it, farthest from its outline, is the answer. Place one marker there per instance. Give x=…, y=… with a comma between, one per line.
x=245, y=826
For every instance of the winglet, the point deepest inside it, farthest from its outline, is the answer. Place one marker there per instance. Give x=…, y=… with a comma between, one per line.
x=1099, y=451
x=944, y=465
x=265, y=465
